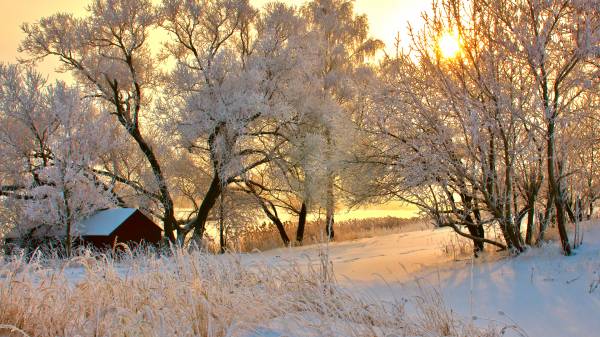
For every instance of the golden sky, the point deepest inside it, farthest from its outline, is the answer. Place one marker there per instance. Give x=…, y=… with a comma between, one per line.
x=386, y=18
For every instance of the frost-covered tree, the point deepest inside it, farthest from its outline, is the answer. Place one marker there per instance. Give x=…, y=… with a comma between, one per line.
x=108, y=53
x=50, y=138
x=344, y=47
x=584, y=182
x=319, y=137
x=234, y=86
x=441, y=128
x=282, y=107
x=465, y=137
x=555, y=40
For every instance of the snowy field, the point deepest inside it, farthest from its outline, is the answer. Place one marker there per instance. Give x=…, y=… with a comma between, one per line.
x=541, y=292
x=396, y=285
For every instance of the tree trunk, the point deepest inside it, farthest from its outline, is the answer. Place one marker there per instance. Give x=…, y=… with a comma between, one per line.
x=554, y=186
x=329, y=221
x=69, y=242
x=572, y=215
x=330, y=196
x=545, y=221
x=475, y=229
x=301, y=224
x=199, y=223
x=281, y=230
x=511, y=226
x=562, y=228
x=277, y=222
x=579, y=209
x=508, y=232
x=221, y=226
x=66, y=195
x=329, y=218
x=530, y=221
x=169, y=221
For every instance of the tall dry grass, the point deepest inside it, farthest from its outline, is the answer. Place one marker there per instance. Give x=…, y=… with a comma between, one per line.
x=190, y=293
x=459, y=247
x=265, y=236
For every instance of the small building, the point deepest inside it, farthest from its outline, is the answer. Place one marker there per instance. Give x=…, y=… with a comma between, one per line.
x=126, y=225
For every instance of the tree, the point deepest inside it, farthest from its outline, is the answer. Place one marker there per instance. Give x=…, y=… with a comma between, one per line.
x=555, y=39
x=344, y=47
x=51, y=138
x=108, y=53
x=234, y=87
x=455, y=135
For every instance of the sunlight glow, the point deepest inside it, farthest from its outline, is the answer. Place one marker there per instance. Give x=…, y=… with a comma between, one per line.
x=449, y=44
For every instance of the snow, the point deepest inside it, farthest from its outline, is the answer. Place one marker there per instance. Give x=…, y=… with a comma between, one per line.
x=395, y=256
x=103, y=223
x=541, y=292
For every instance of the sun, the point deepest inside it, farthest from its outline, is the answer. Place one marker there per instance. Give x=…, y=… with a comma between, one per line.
x=449, y=44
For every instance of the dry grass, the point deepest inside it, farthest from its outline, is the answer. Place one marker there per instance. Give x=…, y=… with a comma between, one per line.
x=433, y=316
x=459, y=247
x=551, y=234
x=265, y=236
x=190, y=293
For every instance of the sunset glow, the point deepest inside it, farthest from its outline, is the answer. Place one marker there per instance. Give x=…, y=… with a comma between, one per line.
x=449, y=44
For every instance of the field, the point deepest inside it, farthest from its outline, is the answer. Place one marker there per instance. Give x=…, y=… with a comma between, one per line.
x=403, y=284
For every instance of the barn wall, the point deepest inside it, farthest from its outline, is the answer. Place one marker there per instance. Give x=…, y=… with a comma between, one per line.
x=137, y=228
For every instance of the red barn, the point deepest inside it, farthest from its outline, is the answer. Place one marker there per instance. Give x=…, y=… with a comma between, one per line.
x=126, y=225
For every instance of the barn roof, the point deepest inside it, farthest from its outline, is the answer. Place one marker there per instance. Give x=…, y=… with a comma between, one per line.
x=103, y=223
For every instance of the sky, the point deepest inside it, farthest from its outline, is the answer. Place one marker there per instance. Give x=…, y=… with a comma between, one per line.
x=386, y=19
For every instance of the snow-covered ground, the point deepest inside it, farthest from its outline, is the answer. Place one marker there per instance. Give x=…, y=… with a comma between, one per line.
x=541, y=292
